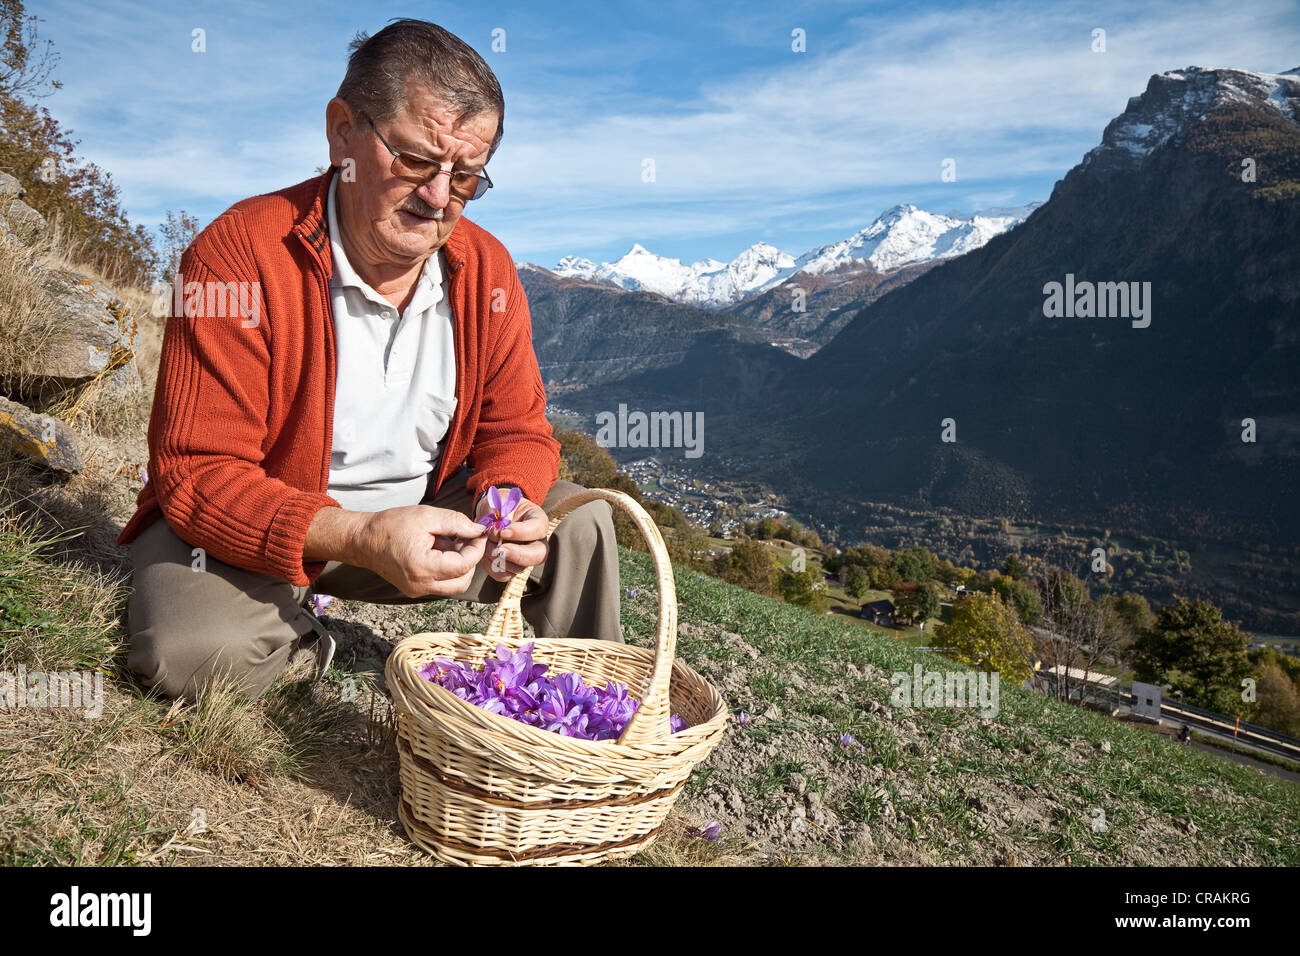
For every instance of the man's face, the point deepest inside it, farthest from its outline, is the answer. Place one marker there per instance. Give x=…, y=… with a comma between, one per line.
x=395, y=221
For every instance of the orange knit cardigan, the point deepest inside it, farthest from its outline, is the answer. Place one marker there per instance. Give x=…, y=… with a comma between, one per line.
x=243, y=412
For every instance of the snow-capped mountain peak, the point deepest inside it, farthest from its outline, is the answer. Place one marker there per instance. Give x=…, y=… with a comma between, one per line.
x=1175, y=98
x=576, y=267
x=707, y=282
x=904, y=235
x=900, y=236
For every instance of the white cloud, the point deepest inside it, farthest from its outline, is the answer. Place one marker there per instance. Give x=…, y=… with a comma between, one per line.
x=803, y=142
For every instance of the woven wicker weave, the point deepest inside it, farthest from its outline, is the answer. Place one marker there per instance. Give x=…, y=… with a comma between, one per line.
x=480, y=788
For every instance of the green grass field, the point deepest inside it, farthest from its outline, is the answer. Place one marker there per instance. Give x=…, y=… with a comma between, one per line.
x=307, y=775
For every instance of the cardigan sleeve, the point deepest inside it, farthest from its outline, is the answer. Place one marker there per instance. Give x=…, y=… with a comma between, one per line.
x=208, y=429
x=513, y=443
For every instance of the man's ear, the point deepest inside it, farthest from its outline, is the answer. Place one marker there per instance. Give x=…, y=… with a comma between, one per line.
x=341, y=125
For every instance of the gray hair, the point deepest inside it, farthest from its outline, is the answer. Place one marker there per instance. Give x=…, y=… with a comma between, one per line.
x=380, y=65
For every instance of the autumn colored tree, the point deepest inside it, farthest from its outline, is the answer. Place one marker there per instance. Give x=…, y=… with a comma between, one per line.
x=78, y=195
x=1277, y=702
x=947, y=573
x=882, y=577
x=750, y=565
x=987, y=633
x=584, y=462
x=587, y=463
x=689, y=546
x=1261, y=657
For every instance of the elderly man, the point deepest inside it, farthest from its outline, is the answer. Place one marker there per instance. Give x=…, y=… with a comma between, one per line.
x=347, y=371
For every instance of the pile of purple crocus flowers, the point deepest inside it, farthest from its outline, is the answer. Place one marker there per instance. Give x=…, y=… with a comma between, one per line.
x=513, y=686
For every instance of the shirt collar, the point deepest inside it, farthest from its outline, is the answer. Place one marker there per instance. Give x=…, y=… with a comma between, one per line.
x=428, y=291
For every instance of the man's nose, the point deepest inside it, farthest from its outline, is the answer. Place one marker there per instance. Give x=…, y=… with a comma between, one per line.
x=437, y=191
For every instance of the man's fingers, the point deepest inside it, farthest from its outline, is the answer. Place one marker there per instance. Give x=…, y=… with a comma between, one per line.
x=445, y=565
x=444, y=521
x=449, y=545
x=502, y=570
x=530, y=525
x=525, y=555
x=446, y=587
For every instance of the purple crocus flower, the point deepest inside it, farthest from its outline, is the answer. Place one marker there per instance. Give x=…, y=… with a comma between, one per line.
x=712, y=830
x=847, y=740
x=743, y=719
x=511, y=685
x=319, y=602
x=512, y=670
x=498, y=518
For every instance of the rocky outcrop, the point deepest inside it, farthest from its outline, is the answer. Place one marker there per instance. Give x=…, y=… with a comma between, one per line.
x=96, y=332
x=88, y=337
x=19, y=219
x=38, y=438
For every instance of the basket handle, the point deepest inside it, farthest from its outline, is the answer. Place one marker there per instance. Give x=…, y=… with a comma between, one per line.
x=650, y=722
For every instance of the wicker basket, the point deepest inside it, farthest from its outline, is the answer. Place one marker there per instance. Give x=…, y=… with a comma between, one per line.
x=480, y=788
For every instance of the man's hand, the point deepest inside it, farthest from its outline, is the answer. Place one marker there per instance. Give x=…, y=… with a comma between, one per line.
x=423, y=550
x=522, y=544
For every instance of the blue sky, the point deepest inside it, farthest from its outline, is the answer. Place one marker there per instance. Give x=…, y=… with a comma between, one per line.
x=750, y=140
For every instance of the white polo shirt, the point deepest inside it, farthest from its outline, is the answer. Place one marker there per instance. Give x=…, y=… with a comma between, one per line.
x=395, y=390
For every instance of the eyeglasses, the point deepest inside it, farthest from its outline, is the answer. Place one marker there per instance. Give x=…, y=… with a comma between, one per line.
x=465, y=185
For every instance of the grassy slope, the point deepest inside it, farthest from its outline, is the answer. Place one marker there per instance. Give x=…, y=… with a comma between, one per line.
x=945, y=785
x=302, y=776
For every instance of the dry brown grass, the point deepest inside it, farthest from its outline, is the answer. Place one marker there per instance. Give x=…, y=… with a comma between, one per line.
x=119, y=790
x=293, y=725
x=28, y=319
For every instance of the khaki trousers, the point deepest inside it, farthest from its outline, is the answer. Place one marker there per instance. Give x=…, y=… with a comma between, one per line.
x=186, y=625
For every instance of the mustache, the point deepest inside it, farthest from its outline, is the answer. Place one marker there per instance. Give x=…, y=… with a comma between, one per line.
x=418, y=206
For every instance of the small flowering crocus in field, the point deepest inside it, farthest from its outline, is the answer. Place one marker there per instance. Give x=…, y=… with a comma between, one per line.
x=513, y=686
x=498, y=518
x=632, y=592
x=711, y=830
x=319, y=602
x=743, y=719
x=847, y=740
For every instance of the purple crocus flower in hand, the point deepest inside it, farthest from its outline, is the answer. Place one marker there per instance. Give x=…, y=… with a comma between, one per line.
x=498, y=518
